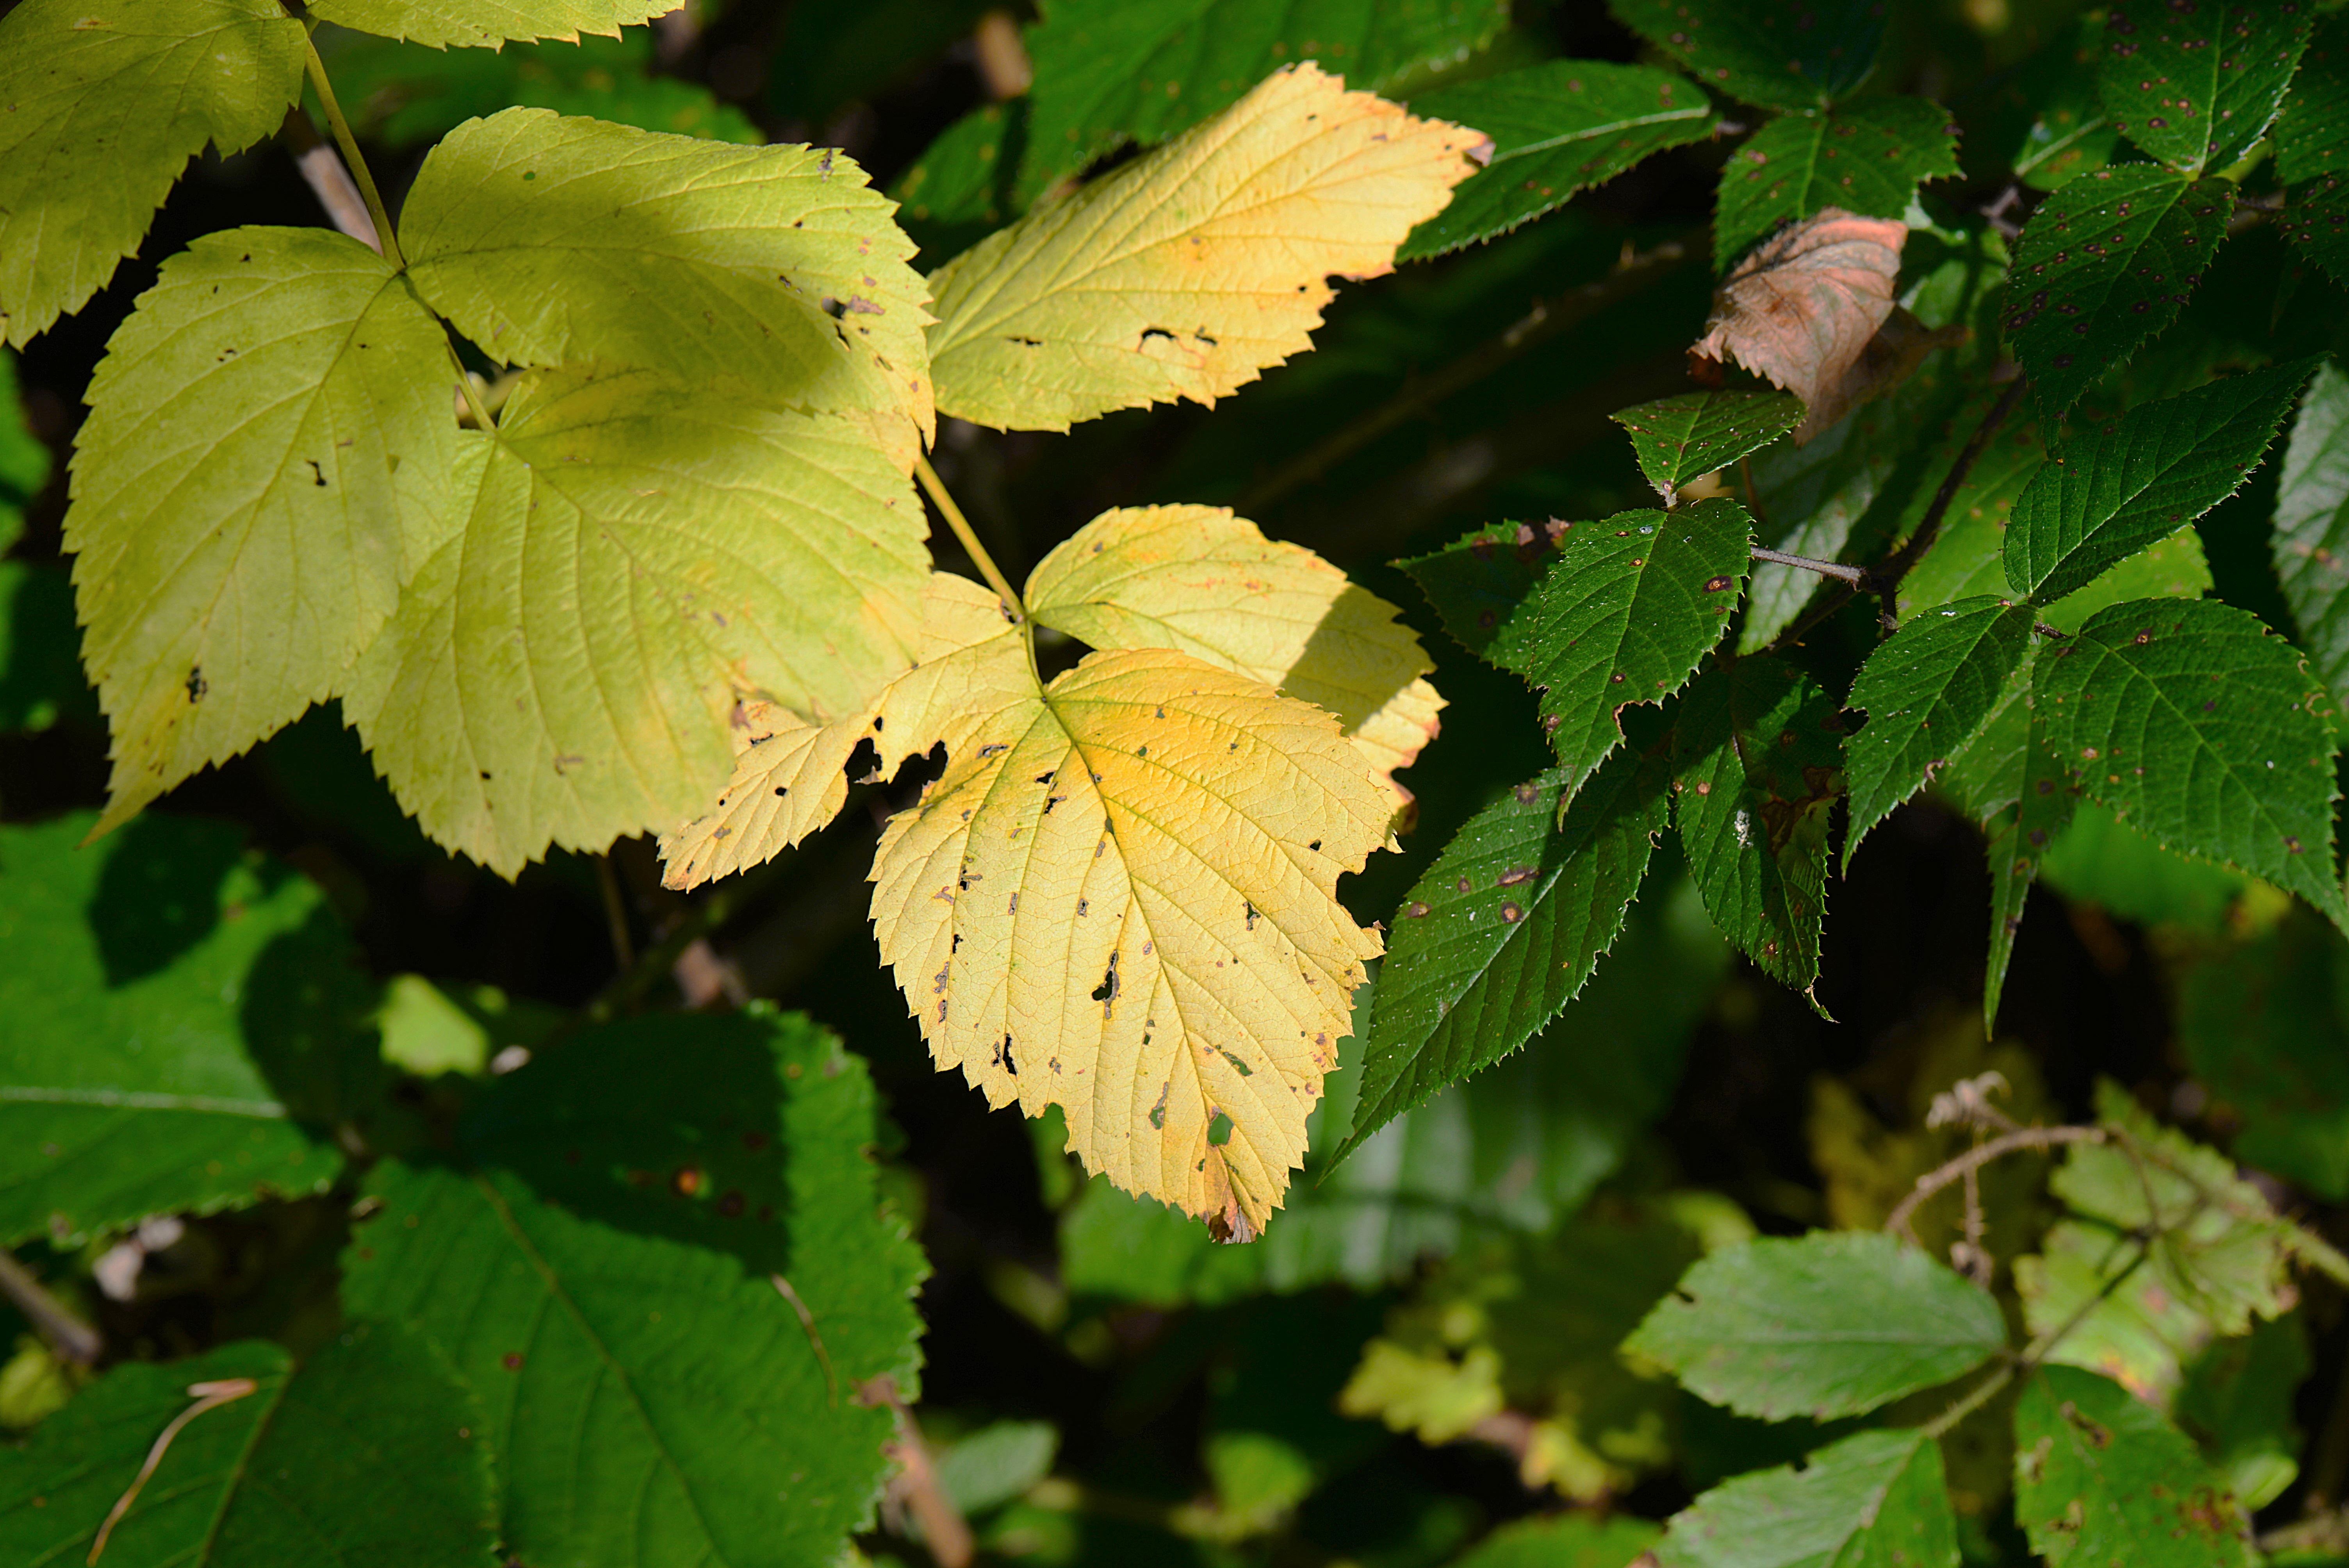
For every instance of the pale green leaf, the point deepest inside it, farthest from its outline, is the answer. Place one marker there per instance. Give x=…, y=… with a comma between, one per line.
x=2110, y=493
x=1927, y=692
x=1876, y=1500
x=660, y=1254
x=1867, y=157
x=2195, y=86
x=2204, y=730
x=485, y=23
x=1563, y=1540
x=102, y=103
x=1830, y=1324
x=2311, y=543
x=1681, y=439
x=184, y=1028
x=369, y=1453
x=552, y=240
x=2118, y=1319
x=1781, y=54
x=264, y=466
x=2100, y=1477
x=686, y=547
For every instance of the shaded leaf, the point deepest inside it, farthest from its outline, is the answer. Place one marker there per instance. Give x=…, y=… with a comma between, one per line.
x=1157, y=282
x=2110, y=493
x=683, y=545
x=1697, y=433
x=1781, y=54
x=602, y=1262
x=2196, y=87
x=1558, y=129
x=2020, y=838
x=2099, y=1477
x=1866, y=158
x=1802, y=309
x=1927, y=691
x=2262, y=1026
x=2119, y=1320
x=268, y=1479
x=1873, y=1497
x=263, y=469
x=2311, y=543
x=40, y=676
x=1563, y=1540
x=2311, y=151
x=102, y=103
x=958, y=190
x=484, y=23
x=1481, y=580
x=2237, y=1405
x=2205, y=731
x=1757, y=762
x=1829, y=1323
x=2105, y=263
x=1623, y=616
x=24, y=457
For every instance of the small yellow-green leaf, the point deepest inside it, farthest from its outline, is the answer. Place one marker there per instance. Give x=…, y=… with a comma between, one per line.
x=263, y=468
x=442, y=22
x=1193, y=268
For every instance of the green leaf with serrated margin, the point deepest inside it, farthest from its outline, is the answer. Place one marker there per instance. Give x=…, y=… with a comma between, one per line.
x=1867, y=157
x=369, y=1453
x=1624, y=615
x=1504, y=929
x=662, y=1257
x=2262, y=1026
x=2110, y=493
x=2195, y=86
x=263, y=469
x=2311, y=543
x=1876, y=1500
x=552, y=240
x=2311, y=151
x=2100, y=1477
x=1827, y=1324
x=2205, y=731
x=2019, y=838
x=1558, y=129
x=1781, y=54
x=958, y=190
x=1112, y=71
x=2104, y=264
x=1678, y=438
x=1480, y=580
x=1927, y=691
x=185, y=1028
x=102, y=103
x=1757, y=763
x=485, y=23
x=683, y=545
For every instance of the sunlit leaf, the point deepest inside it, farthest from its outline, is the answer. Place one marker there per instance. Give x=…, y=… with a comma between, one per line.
x=1190, y=270
x=1868, y=158
x=2196, y=87
x=1683, y=438
x=484, y=23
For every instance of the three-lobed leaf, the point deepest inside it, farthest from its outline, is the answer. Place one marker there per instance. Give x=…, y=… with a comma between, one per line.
x=1873, y=1497
x=1867, y=157
x=1188, y=271
x=2108, y=494
x=1827, y=1324
x=1680, y=439
x=1558, y=129
x=2311, y=543
x=2101, y=1477
x=1780, y=54
x=2196, y=86
x=102, y=103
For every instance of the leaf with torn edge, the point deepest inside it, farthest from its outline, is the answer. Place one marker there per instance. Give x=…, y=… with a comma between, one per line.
x=1193, y=268
x=1121, y=899
x=1803, y=308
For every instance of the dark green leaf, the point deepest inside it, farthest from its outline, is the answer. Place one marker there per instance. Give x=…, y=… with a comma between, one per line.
x=2205, y=731
x=1757, y=762
x=2262, y=1027
x=2019, y=839
x=1112, y=71
x=40, y=672
x=1504, y=929
x=2100, y=1477
x=1623, y=616
x=2102, y=861
x=1782, y=54
x=2311, y=543
x=959, y=191
x=2112, y=493
x=1477, y=583
x=1876, y=1500
x=24, y=457
x=2237, y=1405
x=369, y=1453
x=1866, y=157
x=2104, y=264
x=2195, y=86
x=2069, y=134
x=1680, y=439
x=1927, y=691
x=1557, y=128
x=2312, y=150
x=174, y=1008
x=1563, y=1540
x=829, y=56
x=611, y=1266
x=1830, y=1324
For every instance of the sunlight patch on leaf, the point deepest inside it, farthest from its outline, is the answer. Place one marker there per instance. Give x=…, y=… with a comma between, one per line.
x=486, y=23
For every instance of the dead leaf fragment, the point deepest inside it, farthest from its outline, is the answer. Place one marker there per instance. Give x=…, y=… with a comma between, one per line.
x=1805, y=306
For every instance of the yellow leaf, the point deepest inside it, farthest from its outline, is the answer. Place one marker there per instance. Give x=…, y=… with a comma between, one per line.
x=1121, y=899
x=1191, y=269
x=1206, y=582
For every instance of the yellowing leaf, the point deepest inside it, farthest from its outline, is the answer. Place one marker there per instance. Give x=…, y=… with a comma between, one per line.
x=1191, y=269
x=789, y=774
x=265, y=465
x=634, y=552
x=1805, y=306
x=1206, y=582
x=441, y=23
x=1121, y=899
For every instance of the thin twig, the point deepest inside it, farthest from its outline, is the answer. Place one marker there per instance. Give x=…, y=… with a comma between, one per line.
x=944, y=1529
x=207, y=1396
x=68, y=1335
x=1974, y=1158
x=351, y=156
x=1836, y=569
x=944, y=501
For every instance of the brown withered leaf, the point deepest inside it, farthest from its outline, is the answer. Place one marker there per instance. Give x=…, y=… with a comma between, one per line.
x=1804, y=308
